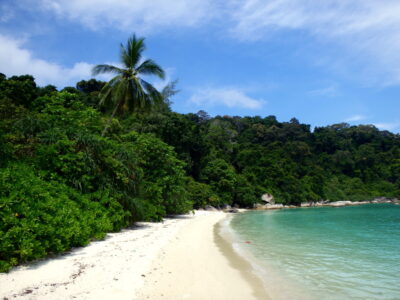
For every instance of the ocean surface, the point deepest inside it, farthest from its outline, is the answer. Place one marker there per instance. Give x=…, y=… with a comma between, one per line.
x=323, y=253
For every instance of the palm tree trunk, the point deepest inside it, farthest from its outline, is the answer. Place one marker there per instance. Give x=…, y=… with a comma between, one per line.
x=109, y=119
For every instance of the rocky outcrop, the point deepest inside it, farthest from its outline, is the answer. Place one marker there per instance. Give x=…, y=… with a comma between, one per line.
x=348, y=203
x=267, y=198
x=270, y=206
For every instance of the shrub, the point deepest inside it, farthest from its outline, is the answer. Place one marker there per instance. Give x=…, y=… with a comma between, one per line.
x=39, y=217
x=201, y=194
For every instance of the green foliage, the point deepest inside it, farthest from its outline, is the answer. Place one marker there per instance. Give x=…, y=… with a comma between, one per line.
x=221, y=177
x=73, y=183
x=40, y=217
x=63, y=183
x=163, y=182
x=246, y=194
x=128, y=92
x=21, y=90
x=201, y=194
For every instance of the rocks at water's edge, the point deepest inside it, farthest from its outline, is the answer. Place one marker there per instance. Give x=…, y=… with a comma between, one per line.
x=268, y=199
x=259, y=206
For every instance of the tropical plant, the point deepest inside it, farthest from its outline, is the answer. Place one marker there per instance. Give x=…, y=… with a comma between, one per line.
x=127, y=91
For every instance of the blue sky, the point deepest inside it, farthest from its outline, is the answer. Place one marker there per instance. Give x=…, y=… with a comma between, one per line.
x=322, y=62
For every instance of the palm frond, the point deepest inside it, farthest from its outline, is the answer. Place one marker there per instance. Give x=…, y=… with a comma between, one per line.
x=134, y=49
x=127, y=92
x=100, y=69
x=106, y=92
x=139, y=95
x=154, y=96
x=170, y=90
x=149, y=67
x=125, y=58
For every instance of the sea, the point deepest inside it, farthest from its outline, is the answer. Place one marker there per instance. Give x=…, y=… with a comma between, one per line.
x=350, y=252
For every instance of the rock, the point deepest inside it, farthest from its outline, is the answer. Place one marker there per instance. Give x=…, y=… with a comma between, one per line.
x=340, y=203
x=383, y=200
x=226, y=206
x=210, y=208
x=236, y=206
x=358, y=202
x=268, y=198
x=273, y=206
x=233, y=210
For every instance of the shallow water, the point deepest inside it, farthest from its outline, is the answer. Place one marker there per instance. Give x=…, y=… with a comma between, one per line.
x=324, y=253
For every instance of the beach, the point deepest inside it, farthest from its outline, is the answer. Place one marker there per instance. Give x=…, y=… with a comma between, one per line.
x=181, y=258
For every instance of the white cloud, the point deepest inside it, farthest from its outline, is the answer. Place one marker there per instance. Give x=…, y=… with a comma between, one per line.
x=355, y=118
x=15, y=60
x=329, y=91
x=363, y=33
x=229, y=97
x=368, y=30
x=388, y=126
x=138, y=15
x=328, y=17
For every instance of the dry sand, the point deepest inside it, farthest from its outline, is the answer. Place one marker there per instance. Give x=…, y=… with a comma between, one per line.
x=181, y=258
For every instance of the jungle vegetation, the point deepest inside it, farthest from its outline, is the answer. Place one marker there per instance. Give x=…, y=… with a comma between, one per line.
x=80, y=162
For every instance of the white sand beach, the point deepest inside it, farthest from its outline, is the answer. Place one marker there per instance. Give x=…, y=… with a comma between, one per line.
x=180, y=258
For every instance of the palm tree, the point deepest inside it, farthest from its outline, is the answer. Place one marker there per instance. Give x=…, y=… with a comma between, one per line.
x=127, y=91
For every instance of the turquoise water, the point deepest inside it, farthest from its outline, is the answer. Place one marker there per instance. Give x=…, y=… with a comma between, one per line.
x=324, y=253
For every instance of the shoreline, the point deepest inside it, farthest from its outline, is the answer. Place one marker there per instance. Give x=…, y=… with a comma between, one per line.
x=143, y=262
x=327, y=204
x=240, y=263
x=201, y=264
x=146, y=262
x=108, y=269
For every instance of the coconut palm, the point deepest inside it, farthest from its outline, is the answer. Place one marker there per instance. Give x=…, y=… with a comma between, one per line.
x=127, y=91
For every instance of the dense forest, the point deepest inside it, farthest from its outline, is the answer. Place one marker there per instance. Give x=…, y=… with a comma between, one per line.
x=73, y=169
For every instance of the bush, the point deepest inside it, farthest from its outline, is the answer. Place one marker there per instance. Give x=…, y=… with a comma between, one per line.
x=201, y=194
x=162, y=189
x=221, y=177
x=39, y=217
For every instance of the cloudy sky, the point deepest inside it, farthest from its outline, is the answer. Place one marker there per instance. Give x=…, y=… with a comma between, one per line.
x=323, y=62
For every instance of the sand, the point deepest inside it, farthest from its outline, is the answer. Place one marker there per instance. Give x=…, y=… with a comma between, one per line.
x=181, y=258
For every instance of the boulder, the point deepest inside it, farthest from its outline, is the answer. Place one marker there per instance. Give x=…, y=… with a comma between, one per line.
x=210, y=208
x=267, y=198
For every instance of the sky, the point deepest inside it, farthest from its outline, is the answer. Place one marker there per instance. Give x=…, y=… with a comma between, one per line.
x=323, y=62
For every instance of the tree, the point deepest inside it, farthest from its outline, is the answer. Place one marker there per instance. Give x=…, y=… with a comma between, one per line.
x=168, y=91
x=21, y=90
x=127, y=91
x=90, y=86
